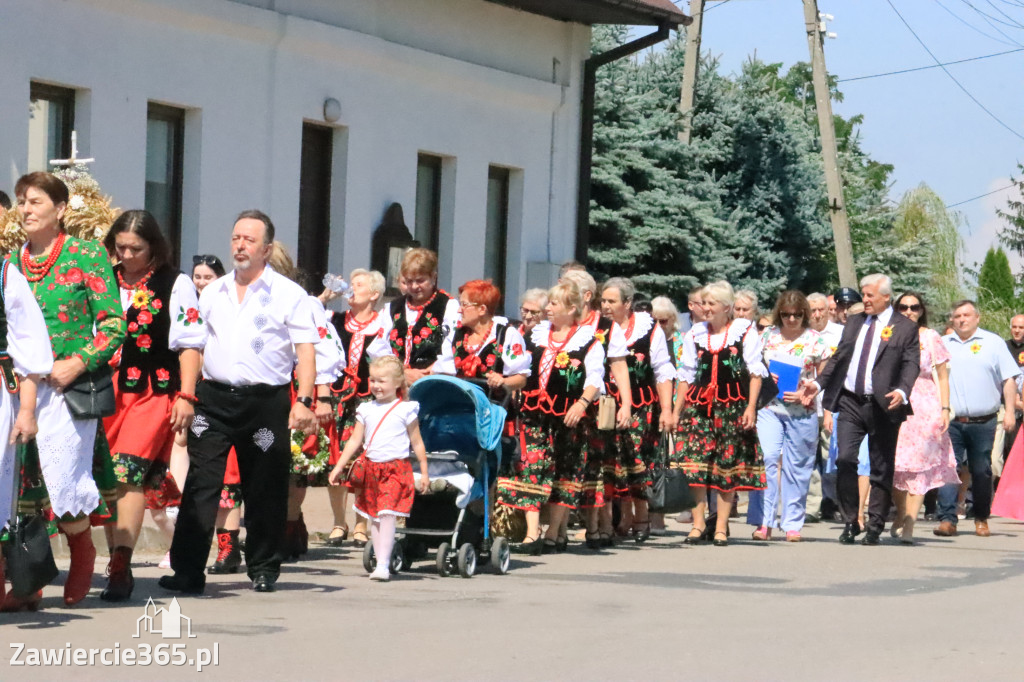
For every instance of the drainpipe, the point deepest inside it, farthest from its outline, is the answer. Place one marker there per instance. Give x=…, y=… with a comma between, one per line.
x=587, y=128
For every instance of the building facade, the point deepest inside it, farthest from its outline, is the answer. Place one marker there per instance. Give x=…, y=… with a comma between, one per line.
x=321, y=113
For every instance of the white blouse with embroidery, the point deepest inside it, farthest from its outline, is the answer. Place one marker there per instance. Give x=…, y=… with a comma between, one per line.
x=593, y=361
x=737, y=329
x=514, y=355
x=661, y=361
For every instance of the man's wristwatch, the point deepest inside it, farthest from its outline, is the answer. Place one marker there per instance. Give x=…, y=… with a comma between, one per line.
x=306, y=401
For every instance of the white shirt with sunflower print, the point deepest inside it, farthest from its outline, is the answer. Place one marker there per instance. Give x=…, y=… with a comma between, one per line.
x=810, y=348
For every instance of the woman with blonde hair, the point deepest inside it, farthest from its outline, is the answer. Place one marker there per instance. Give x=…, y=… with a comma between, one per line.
x=716, y=403
x=567, y=373
x=422, y=318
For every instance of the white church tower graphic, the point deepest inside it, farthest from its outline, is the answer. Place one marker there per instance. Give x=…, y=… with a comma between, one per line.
x=171, y=620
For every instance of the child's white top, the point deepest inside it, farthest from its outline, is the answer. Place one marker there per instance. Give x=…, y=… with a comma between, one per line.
x=392, y=439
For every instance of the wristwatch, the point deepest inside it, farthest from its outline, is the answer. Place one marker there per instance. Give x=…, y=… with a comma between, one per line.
x=305, y=400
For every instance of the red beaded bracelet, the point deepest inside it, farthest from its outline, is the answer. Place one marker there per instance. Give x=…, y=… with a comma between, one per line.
x=188, y=397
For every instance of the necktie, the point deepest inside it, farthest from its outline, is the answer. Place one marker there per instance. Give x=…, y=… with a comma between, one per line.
x=862, y=364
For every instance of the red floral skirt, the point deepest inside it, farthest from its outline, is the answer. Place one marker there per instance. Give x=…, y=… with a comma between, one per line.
x=387, y=489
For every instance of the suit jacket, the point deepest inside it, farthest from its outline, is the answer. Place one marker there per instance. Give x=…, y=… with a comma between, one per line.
x=897, y=364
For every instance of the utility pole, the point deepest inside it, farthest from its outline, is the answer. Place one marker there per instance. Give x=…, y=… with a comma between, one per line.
x=691, y=60
x=823, y=99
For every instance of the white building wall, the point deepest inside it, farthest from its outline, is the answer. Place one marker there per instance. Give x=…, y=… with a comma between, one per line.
x=464, y=79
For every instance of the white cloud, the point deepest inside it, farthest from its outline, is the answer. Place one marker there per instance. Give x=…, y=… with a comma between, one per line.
x=984, y=232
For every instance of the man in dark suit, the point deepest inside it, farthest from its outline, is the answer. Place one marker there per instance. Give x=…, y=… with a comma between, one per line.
x=868, y=382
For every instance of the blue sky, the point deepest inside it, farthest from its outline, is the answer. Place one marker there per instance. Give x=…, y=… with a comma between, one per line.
x=921, y=122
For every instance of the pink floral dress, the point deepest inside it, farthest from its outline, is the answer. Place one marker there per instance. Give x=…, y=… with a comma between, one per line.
x=924, y=453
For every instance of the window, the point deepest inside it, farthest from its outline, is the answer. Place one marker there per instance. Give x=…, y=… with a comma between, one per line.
x=165, y=134
x=315, y=199
x=428, y=201
x=50, y=122
x=496, y=235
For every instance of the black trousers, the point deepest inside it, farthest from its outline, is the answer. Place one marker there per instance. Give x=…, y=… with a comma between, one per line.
x=255, y=421
x=860, y=419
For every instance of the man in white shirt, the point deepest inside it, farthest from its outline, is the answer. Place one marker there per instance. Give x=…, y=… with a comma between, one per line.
x=259, y=327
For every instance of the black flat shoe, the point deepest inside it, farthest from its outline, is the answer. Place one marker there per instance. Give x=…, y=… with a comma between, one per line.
x=549, y=546
x=697, y=539
x=562, y=544
x=180, y=583
x=593, y=540
x=531, y=547
x=263, y=583
x=721, y=540
x=641, y=532
x=850, y=533
x=607, y=540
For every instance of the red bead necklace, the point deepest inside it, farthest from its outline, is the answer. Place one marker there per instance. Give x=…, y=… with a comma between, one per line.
x=354, y=325
x=35, y=271
x=138, y=285
x=419, y=308
x=472, y=350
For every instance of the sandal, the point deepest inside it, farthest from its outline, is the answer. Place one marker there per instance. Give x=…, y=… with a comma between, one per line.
x=721, y=540
x=696, y=537
x=359, y=538
x=336, y=540
x=793, y=536
x=764, y=533
x=532, y=547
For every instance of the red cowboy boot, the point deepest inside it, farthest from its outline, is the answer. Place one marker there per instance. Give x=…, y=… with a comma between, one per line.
x=83, y=562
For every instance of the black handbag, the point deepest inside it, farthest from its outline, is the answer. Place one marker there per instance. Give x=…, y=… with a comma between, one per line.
x=769, y=391
x=27, y=551
x=91, y=396
x=670, y=492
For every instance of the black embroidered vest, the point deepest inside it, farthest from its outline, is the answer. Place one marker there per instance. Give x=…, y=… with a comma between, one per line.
x=641, y=373
x=721, y=376
x=565, y=383
x=347, y=386
x=426, y=336
x=489, y=359
x=146, y=358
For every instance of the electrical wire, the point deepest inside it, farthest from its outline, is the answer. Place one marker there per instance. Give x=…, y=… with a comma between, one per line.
x=1011, y=23
x=973, y=27
x=980, y=196
x=1011, y=19
x=989, y=20
x=951, y=76
x=931, y=66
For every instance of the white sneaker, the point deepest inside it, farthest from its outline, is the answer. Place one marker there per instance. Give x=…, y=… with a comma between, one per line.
x=166, y=561
x=381, y=575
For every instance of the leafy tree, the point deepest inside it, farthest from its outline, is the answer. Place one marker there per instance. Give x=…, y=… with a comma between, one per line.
x=996, y=290
x=1012, y=236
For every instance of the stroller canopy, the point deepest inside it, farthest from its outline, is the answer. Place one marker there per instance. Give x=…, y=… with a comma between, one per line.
x=457, y=404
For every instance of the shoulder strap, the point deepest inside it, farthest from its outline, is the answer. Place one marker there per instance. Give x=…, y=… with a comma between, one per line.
x=3, y=279
x=377, y=428
x=499, y=336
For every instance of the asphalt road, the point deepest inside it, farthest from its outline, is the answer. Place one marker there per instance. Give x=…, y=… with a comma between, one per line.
x=946, y=609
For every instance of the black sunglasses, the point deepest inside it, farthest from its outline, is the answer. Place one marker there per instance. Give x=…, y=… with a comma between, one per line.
x=205, y=260
x=795, y=316
x=904, y=307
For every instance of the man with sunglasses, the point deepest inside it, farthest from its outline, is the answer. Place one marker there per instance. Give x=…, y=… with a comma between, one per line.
x=982, y=374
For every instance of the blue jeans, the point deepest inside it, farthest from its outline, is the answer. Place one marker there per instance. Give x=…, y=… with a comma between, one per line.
x=972, y=445
x=790, y=443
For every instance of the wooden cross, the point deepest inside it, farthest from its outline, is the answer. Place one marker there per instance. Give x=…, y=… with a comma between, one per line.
x=74, y=160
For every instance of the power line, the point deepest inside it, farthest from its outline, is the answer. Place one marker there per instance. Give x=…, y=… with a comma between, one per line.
x=973, y=27
x=1012, y=23
x=988, y=19
x=951, y=76
x=931, y=66
x=996, y=8
x=980, y=196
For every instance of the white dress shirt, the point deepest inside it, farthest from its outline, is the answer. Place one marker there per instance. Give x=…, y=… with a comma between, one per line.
x=881, y=323
x=252, y=342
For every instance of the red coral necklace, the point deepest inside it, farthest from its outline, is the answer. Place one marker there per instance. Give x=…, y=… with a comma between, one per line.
x=35, y=271
x=472, y=350
x=138, y=285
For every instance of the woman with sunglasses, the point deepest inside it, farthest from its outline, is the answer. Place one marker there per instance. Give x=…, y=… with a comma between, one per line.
x=787, y=430
x=206, y=269
x=924, y=453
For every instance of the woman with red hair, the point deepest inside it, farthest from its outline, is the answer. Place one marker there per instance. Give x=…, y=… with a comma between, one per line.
x=481, y=347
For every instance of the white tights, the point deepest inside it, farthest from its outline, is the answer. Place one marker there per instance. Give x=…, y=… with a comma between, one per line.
x=382, y=534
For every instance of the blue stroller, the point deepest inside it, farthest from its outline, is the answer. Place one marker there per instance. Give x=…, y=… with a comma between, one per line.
x=461, y=431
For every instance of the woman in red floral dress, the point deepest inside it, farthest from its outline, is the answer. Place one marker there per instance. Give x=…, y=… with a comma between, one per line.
x=154, y=385
x=74, y=285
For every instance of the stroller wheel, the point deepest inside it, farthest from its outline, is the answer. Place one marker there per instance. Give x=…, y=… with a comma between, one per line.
x=443, y=567
x=501, y=555
x=369, y=560
x=467, y=560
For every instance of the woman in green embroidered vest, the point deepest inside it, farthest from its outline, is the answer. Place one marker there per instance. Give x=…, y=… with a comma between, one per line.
x=74, y=285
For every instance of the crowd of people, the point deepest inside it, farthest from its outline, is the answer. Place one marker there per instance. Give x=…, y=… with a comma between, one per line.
x=132, y=386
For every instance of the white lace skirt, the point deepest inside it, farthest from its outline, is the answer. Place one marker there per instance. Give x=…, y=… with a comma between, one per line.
x=65, y=455
x=8, y=407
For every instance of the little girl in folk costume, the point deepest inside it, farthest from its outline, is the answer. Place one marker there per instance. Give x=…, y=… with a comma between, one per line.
x=387, y=482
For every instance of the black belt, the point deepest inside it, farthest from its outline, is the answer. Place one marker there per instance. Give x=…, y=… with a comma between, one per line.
x=862, y=399
x=246, y=389
x=976, y=420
